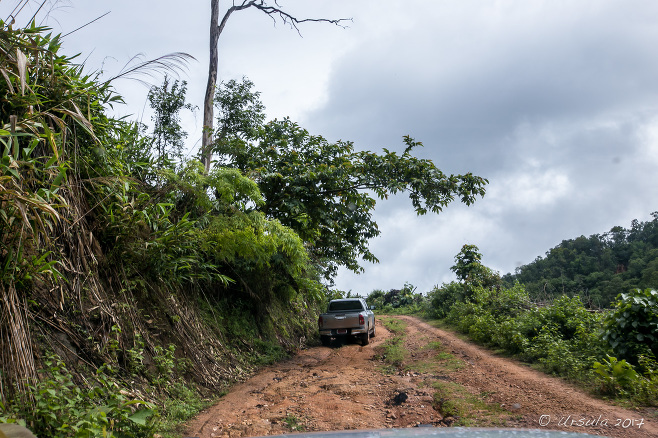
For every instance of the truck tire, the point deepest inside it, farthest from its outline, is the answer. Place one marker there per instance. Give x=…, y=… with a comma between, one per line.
x=374, y=328
x=365, y=338
x=326, y=340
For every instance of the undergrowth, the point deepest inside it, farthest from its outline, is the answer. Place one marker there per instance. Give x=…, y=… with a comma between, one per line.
x=563, y=338
x=58, y=407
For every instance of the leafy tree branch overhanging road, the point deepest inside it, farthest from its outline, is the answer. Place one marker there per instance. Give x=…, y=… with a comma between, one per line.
x=325, y=191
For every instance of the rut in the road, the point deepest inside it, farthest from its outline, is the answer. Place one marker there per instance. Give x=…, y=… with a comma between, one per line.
x=343, y=387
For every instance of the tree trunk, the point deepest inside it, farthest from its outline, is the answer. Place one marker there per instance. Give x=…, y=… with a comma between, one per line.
x=216, y=29
x=208, y=114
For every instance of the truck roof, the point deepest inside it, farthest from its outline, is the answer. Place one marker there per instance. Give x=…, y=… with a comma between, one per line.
x=346, y=304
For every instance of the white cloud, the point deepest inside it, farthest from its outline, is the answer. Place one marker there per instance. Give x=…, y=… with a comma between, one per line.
x=649, y=142
x=530, y=190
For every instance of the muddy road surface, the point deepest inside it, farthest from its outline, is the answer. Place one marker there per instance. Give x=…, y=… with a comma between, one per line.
x=412, y=375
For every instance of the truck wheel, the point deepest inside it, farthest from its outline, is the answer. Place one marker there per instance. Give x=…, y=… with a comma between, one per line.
x=374, y=327
x=326, y=340
x=365, y=338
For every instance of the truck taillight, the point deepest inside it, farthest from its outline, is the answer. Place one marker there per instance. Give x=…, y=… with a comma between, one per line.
x=320, y=321
x=362, y=320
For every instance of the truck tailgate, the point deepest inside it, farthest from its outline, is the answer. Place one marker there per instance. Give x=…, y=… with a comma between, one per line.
x=340, y=320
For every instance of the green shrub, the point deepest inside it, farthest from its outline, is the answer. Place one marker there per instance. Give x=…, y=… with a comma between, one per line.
x=483, y=328
x=463, y=315
x=566, y=315
x=632, y=328
x=442, y=298
x=509, y=336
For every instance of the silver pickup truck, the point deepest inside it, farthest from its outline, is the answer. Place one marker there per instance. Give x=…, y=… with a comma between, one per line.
x=348, y=317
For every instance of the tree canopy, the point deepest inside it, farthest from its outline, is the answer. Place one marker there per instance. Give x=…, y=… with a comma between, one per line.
x=598, y=267
x=326, y=191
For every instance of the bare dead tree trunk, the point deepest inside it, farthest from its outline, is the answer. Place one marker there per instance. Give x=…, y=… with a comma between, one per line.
x=208, y=113
x=216, y=29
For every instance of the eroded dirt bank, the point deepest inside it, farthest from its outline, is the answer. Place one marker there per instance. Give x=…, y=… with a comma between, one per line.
x=443, y=382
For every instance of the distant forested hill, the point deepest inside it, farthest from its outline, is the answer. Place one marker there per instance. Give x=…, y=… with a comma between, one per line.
x=597, y=267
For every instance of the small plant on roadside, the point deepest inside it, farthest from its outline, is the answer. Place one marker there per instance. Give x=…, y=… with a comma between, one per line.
x=294, y=423
x=182, y=404
x=453, y=400
x=393, y=354
x=394, y=325
x=267, y=353
x=135, y=356
x=618, y=376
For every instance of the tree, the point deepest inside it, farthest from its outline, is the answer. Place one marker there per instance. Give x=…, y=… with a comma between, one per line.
x=322, y=190
x=597, y=267
x=472, y=273
x=216, y=29
x=167, y=102
x=467, y=262
x=241, y=112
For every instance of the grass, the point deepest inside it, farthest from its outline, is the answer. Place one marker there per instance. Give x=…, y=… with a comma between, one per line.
x=450, y=399
x=180, y=408
x=395, y=326
x=453, y=400
x=393, y=351
x=449, y=362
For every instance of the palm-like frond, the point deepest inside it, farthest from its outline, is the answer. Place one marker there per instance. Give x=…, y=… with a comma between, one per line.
x=138, y=69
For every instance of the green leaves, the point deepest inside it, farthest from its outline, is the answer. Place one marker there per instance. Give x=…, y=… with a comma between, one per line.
x=142, y=416
x=617, y=375
x=631, y=328
x=324, y=191
x=168, y=135
x=59, y=408
x=240, y=111
x=597, y=267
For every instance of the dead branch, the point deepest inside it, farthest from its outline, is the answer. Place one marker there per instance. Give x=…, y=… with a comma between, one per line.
x=216, y=28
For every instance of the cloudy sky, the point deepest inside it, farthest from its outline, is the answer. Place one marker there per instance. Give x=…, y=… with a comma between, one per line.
x=555, y=102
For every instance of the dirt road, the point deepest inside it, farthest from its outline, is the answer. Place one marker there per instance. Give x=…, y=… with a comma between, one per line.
x=442, y=381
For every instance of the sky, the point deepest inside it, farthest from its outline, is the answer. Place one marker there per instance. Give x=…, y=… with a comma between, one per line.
x=555, y=102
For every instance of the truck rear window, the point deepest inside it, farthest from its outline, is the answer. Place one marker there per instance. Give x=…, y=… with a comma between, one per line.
x=337, y=306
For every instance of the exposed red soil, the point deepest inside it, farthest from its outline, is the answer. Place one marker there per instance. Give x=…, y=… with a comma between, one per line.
x=344, y=387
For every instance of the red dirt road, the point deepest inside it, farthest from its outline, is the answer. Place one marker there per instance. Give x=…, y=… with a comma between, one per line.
x=345, y=387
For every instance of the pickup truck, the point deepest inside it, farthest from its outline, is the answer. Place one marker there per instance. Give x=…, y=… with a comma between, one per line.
x=348, y=317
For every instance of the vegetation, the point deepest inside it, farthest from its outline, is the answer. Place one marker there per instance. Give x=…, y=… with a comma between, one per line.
x=322, y=190
x=135, y=280
x=613, y=352
x=404, y=300
x=631, y=328
x=393, y=352
x=596, y=268
x=461, y=407
x=59, y=408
